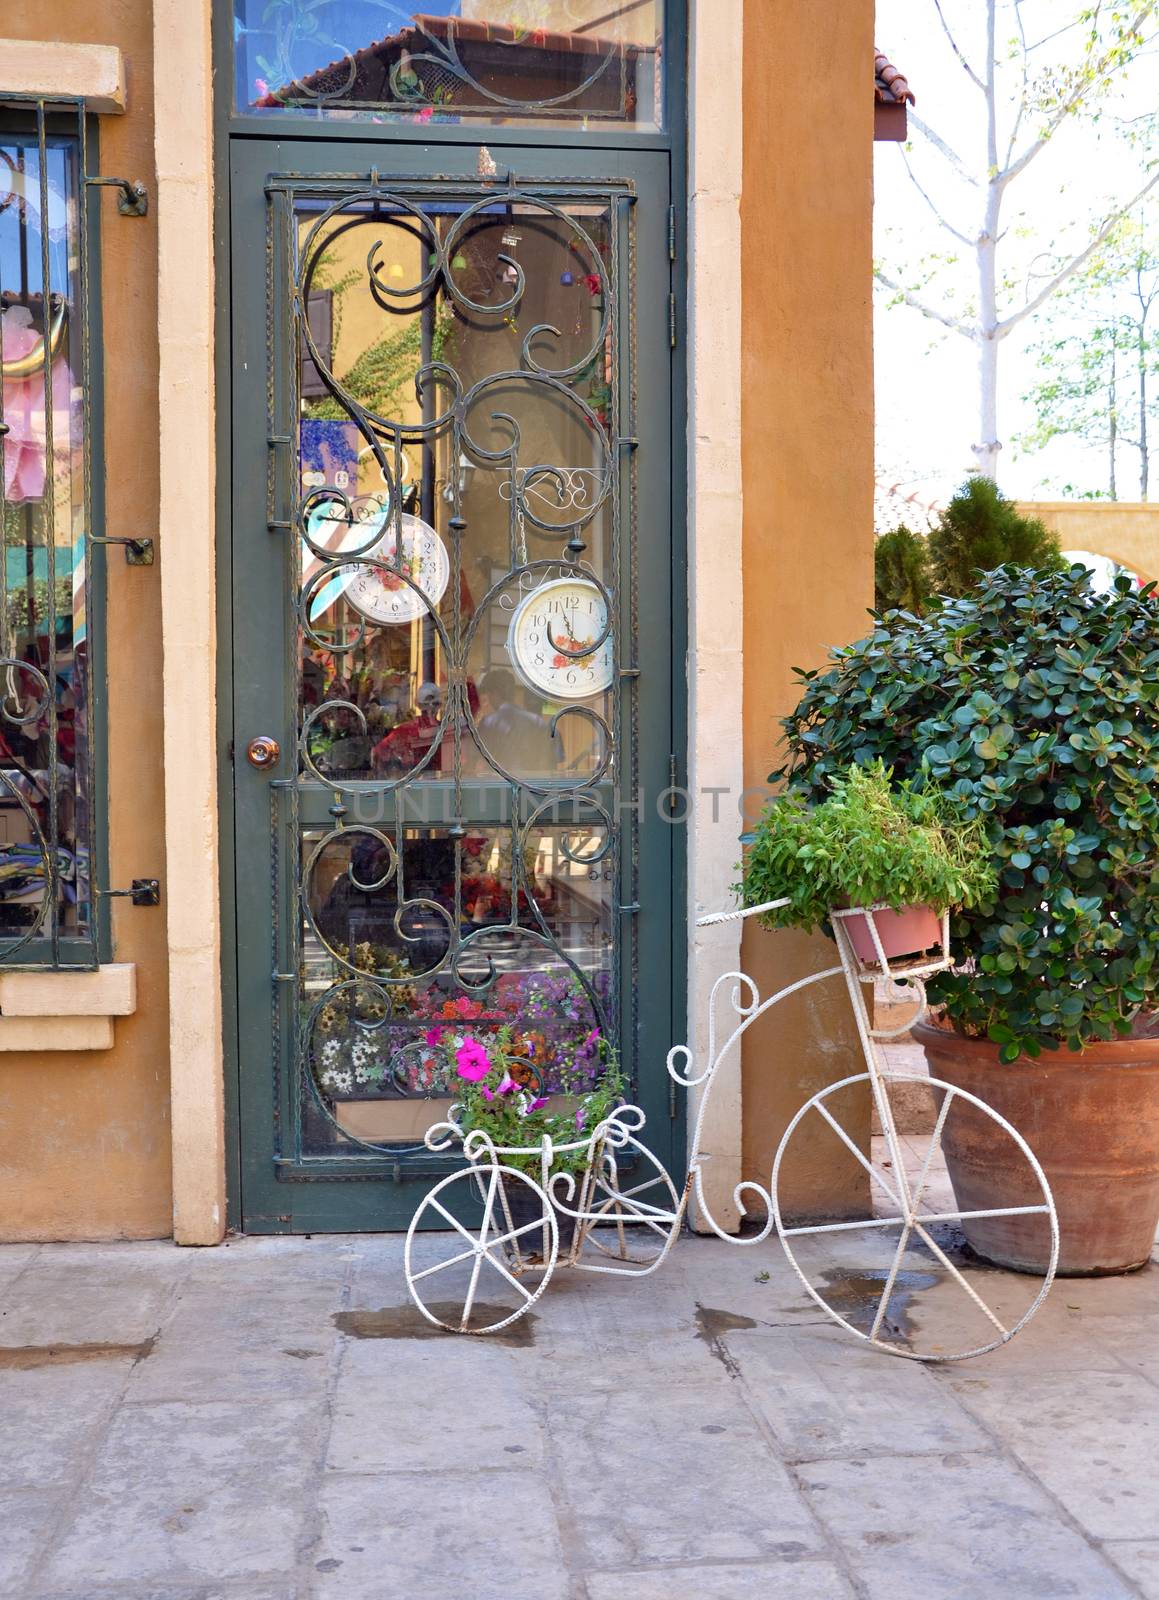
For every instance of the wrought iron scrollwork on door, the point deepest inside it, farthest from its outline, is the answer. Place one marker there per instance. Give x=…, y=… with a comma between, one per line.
x=451, y=363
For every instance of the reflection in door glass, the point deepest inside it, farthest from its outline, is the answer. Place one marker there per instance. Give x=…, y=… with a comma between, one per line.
x=456, y=376
x=569, y=63
x=530, y=466
x=383, y=1003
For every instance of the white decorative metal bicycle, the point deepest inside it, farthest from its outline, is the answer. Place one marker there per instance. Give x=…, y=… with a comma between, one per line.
x=619, y=1212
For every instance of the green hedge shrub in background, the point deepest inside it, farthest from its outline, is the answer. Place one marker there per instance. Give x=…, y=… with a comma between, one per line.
x=901, y=572
x=1035, y=701
x=980, y=530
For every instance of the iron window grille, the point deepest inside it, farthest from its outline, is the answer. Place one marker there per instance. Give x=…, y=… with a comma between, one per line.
x=51, y=594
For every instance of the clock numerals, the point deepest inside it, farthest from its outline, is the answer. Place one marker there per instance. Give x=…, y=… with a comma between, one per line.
x=424, y=561
x=569, y=613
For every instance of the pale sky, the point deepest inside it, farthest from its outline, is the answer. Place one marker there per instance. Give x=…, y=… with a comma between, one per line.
x=926, y=377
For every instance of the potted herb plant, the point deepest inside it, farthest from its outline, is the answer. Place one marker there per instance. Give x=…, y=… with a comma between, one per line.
x=1034, y=702
x=864, y=842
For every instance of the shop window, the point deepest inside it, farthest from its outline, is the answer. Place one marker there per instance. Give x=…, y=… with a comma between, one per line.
x=46, y=614
x=564, y=63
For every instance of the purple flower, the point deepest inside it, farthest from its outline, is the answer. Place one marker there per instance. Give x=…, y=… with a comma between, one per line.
x=581, y=1118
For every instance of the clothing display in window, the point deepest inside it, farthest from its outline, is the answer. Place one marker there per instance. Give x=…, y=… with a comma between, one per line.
x=24, y=409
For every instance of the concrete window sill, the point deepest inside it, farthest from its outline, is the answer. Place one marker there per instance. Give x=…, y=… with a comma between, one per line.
x=65, y=1010
x=94, y=73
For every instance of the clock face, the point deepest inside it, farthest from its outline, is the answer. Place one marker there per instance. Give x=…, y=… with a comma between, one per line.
x=384, y=599
x=572, y=611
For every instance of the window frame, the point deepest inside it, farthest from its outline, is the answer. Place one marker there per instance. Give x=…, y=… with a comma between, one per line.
x=393, y=127
x=65, y=119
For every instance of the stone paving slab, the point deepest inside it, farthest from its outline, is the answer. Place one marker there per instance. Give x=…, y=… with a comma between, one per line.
x=805, y=1579
x=956, y=1527
x=1139, y=1559
x=410, y=1535
x=673, y=1472
x=191, y=1492
x=822, y=1396
x=272, y=1421
x=50, y=1416
x=1107, y=1478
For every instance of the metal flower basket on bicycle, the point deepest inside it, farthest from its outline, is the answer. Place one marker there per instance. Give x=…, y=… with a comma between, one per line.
x=532, y=1224
x=628, y=1228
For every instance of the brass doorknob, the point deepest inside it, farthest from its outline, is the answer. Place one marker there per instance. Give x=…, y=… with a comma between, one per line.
x=262, y=751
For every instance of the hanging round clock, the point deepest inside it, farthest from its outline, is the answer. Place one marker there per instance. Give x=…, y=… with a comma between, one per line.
x=382, y=597
x=549, y=627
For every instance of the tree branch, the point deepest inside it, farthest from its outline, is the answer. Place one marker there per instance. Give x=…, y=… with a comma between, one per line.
x=970, y=73
x=969, y=330
x=1078, y=93
x=1024, y=92
x=942, y=147
x=1075, y=263
x=962, y=238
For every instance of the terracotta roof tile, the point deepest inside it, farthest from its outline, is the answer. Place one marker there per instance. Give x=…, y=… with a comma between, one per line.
x=889, y=87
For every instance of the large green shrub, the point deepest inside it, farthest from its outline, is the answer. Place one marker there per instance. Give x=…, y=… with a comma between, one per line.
x=1035, y=700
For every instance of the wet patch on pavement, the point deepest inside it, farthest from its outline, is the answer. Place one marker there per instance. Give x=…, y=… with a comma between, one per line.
x=21, y=1358
x=407, y=1322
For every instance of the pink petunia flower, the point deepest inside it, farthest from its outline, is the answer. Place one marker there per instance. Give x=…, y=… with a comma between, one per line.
x=506, y=1085
x=581, y=1118
x=433, y=1036
x=472, y=1061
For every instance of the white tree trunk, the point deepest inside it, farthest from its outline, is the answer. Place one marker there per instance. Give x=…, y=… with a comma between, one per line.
x=987, y=448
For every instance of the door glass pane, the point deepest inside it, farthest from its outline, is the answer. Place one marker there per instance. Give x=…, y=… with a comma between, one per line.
x=569, y=63
x=456, y=604
x=44, y=769
x=384, y=993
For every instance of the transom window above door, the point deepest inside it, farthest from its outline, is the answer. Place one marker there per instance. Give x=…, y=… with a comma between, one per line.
x=574, y=64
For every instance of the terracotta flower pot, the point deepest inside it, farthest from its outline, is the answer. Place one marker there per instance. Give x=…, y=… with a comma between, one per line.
x=902, y=933
x=1092, y=1120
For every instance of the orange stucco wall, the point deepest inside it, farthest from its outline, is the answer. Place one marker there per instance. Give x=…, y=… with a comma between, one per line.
x=807, y=453
x=84, y=1138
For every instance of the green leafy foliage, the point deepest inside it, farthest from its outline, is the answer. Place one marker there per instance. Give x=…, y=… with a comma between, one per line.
x=864, y=843
x=382, y=377
x=495, y=1092
x=1035, y=702
x=901, y=572
x=980, y=530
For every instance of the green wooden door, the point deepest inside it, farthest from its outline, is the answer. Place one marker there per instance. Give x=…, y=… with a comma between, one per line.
x=453, y=625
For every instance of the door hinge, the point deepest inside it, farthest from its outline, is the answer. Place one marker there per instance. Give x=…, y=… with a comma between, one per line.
x=673, y=785
x=672, y=321
x=672, y=233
